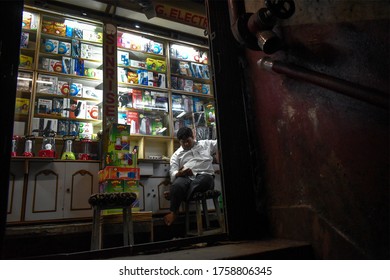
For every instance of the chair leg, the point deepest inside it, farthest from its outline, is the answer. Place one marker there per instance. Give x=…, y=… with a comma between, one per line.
x=206, y=213
x=96, y=242
x=221, y=220
x=199, y=218
x=128, y=234
x=187, y=213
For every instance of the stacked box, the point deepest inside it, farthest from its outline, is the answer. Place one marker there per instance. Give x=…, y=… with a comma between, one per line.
x=121, y=172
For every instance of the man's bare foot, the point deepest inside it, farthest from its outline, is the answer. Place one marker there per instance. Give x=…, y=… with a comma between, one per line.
x=170, y=218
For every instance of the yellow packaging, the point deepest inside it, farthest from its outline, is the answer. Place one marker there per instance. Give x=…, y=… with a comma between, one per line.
x=25, y=61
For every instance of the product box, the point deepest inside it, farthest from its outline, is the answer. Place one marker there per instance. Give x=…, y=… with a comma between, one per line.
x=77, y=67
x=55, y=65
x=123, y=58
x=25, y=61
x=156, y=65
x=117, y=172
x=132, y=119
x=47, y=84
x=63, y=128
x=197, y=87
x=90, y=35
x=75, y=48
x=91, y=52
x=26, y=20
x=62, y=88
x=120, y=158
x=157, y=126
x=57, y=106
x=78, y=33
x=205, y=89
x=78, y=109
x=125, y=99
x=48, y=27
x=76, y=90
x=39, y=124
x=137, y=98
x=156, y=79
x=64, y=48
x=85, y=130
x=138, y=64
x=160, y=100
x=22, y=105
x=44, y=106
x=91, y=92
x=51, y=46
x=118, y=138
x=66, y=107
x=145, y=125
x=188, y=85
x=66, y=65
x=74, y=128
x=132, y=186
x=110, y=186
x=24, y=82
x=59, y=29
x=142, y=77
x=92, y=112
x=93, y=73
x=24, y=39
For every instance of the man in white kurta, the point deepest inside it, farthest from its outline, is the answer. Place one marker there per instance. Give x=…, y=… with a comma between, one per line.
x=191, y=170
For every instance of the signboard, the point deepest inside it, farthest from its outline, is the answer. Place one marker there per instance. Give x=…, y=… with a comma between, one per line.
x=181, y=15
x=110, y=98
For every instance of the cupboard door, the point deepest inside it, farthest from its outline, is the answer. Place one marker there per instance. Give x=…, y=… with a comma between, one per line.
x=81, y=181
x=45, y=191
x=15, y=192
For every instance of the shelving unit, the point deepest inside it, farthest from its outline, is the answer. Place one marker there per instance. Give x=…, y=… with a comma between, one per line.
x=162, y=86
x=68, y=93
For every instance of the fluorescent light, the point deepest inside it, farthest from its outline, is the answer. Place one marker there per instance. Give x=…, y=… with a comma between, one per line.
x=181, y=114
x=24, y=79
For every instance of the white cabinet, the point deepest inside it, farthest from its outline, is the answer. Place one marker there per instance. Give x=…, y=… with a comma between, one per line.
x=81, y=181
x=15, y=192
x=60, y=190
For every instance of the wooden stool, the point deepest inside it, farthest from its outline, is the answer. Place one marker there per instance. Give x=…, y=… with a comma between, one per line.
x=103, y=201
x=201, y=198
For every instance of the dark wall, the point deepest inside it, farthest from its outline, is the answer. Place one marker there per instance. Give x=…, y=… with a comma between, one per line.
x=238, y=152
x=326, y=155
x=320, y=158
x=10, y=19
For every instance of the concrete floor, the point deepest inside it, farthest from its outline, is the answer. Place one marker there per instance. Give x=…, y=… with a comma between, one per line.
x=248, y=249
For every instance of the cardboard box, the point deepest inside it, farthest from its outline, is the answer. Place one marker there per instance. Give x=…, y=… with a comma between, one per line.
x=40, y=124
x=51, y=46
x=92, y=112
x=24, y=39
x=118, y=138
x=91, y=92
x=44, y=106
x=22, y=106
x=121, y=159
x=64, y=48
x=25, y=61
x=91, y=52
x=118, y=172
x=47, y=84
x=55, y=65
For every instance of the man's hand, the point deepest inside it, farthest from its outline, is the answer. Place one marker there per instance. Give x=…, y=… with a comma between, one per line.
x=183, y=172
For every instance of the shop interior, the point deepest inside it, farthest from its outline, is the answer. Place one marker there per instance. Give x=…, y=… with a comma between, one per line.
x=64, y=122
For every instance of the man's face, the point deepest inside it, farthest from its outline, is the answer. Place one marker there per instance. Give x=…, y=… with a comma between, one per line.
x=187, y=143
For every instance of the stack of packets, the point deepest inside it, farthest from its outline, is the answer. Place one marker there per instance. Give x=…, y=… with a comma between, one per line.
x=120, y=173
